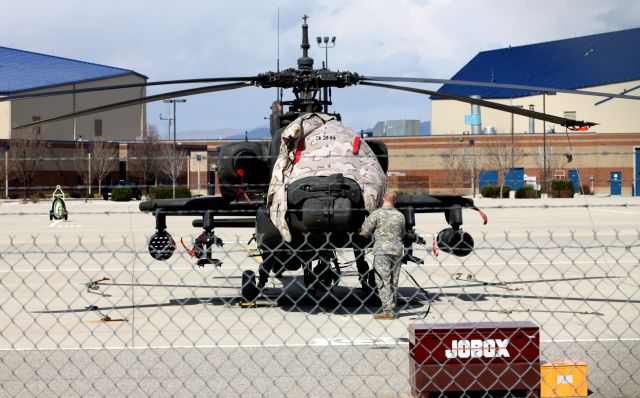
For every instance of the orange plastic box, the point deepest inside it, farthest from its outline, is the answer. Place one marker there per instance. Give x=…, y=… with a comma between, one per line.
x=562, y=378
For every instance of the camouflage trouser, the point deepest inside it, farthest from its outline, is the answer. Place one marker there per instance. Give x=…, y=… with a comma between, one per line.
x=387, y=268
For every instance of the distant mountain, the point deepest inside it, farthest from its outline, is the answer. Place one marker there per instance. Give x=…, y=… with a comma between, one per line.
x=204, y=134
x=256, y=133
x=259, y=133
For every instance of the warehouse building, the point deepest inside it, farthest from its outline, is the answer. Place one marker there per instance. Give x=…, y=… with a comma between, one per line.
x=608, y=62
x=24, y=72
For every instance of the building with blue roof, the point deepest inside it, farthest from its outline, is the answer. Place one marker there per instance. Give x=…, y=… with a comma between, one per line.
x=25, y=72
x=607, y=62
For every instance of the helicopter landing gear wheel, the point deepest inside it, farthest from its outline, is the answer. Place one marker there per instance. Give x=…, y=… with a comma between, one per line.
x=249, y=290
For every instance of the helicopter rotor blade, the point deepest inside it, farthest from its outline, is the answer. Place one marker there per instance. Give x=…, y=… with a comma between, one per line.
x=539, y=90
x=123, y=86
x=488, y=104
x=138, y=101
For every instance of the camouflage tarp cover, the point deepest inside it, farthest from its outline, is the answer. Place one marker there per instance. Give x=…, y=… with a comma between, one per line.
x=326, y=149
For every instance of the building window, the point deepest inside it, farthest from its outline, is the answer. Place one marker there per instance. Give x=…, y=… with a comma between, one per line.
x=571, y=115
x=97, y=125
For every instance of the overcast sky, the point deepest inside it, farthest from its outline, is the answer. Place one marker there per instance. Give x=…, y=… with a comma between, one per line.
x=186, y=39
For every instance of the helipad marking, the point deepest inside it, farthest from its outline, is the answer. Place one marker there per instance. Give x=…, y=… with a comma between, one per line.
x=343, y=341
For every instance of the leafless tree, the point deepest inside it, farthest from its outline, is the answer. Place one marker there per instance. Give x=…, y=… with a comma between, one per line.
x=81, y=162
x=500, y=153
x=173, y=166
x=27, y=154
x=104, y=158
x=472, y=167
x=453, y=162
x=555, y=159
x=144, y=156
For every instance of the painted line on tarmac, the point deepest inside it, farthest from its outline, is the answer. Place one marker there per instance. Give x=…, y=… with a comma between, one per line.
x=365, y=341
x=138, y=268
x=615, y=211
x=471, y=264
x=54, y=223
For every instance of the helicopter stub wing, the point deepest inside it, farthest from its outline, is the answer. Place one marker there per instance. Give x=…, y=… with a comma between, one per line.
x=216, y=205
x=433, y=203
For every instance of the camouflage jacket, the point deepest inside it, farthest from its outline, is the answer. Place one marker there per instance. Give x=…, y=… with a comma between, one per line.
x=327, y=149
x=387, y=226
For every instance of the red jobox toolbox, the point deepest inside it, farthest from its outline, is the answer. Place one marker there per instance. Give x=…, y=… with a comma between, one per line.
x=503, y=357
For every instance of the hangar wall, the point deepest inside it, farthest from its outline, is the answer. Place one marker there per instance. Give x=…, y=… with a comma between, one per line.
x=419, y=164
x=121, y=124
x=613, y=116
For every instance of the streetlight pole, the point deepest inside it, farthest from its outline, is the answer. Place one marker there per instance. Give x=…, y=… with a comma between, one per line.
x=544, y=138
x=544, y=143
x=6, y=170
x=326, y=47
x=174, y=170
x=513, y=144
x=89, y=167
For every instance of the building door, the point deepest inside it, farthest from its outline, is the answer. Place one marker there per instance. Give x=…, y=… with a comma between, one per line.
x=488, y=177
x=514, y=178
x=616, y=183
x=574, y=176
x=122, y=170
x=637, y=172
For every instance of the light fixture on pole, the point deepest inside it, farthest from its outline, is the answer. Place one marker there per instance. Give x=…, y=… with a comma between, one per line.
x=174, y=170
x=324, y=43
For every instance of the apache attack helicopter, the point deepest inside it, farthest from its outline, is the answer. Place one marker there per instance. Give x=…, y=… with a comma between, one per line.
x=307, y=191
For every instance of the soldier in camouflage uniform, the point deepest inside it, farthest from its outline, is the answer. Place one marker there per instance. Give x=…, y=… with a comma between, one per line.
x=387, y=226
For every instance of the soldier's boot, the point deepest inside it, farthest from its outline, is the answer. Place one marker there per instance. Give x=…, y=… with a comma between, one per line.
x=385, y=316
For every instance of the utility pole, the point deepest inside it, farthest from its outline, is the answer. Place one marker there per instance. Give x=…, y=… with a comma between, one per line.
x=513, y=142
x=544, y=138
x=174, y=163
x=89, y=167
x=544, y=144
x=6, y=170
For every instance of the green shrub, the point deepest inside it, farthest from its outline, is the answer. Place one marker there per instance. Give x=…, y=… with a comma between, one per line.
x=183, y=192
x=493, y=191
x=37, y=196
x=562, y=189
x=167, y=192
x=526, y=192
x=121, y=194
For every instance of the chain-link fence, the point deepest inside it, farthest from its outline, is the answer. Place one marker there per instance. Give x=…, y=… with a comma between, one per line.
x=87, y=311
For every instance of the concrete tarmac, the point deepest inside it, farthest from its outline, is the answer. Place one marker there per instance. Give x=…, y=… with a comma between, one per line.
x=568, y=265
